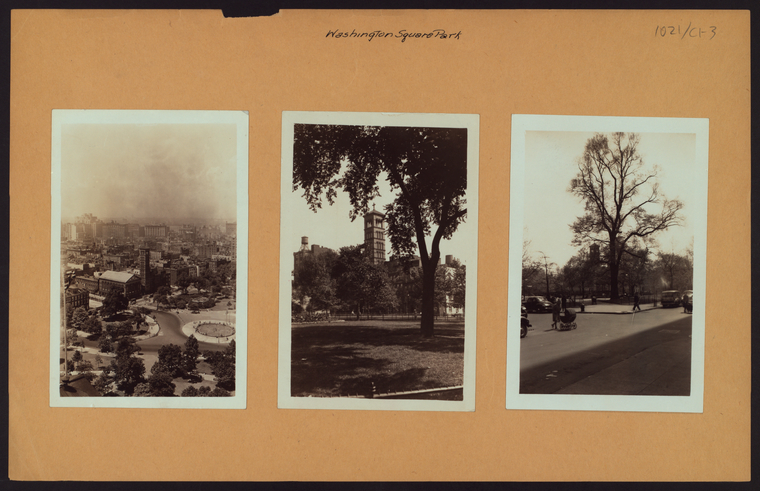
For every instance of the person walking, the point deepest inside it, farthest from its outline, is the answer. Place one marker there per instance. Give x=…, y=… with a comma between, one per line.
x=556, y=308
x=636, y=302
x=687, y=304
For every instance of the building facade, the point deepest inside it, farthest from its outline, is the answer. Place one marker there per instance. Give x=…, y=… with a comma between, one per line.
x=114, y=230
x=127, y=283
x=87, y=283
x=374, y=236
x=156, y=231
x=76, y=297
x=143, y=262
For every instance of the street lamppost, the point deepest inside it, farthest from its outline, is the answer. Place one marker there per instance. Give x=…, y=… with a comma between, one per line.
x=546, y=270
x=67, y=277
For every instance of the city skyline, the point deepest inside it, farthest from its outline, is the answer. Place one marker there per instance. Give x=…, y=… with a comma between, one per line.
x=154, y=220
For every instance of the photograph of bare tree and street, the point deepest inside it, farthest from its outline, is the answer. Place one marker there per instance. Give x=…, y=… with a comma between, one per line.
x=378, y=261
x=608, y=227
x=148, y=258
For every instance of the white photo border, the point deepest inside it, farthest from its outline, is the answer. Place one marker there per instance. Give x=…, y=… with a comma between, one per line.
x=693, y=403
x=140, y=117
x=289, y=119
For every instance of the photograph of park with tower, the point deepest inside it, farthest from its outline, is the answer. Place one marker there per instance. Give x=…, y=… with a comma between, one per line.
x=378, y=261
x=148, y=258
x=607, y=277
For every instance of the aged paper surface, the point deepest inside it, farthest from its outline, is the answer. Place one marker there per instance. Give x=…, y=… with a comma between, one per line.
x=675, y=64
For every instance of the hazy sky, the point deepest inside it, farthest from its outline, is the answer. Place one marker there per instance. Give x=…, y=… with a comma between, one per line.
x=134, y=171
x=551, y=162
x=331, y=226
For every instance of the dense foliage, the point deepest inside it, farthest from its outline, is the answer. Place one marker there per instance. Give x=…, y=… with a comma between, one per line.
x=427, y=167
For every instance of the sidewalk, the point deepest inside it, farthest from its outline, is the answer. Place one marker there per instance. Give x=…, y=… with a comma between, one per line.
x=664, y=369
x=153, y=329
x=611, y=308
x=190, y=329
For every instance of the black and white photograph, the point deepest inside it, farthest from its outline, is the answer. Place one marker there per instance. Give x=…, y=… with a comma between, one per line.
x=608, y=222
x=149, y=258
x=378, y=261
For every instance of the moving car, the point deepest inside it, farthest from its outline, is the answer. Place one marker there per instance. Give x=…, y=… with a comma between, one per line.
x=671, y=298
x=537, y=304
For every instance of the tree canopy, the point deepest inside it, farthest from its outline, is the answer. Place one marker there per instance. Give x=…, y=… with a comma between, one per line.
x=78, y=317
x=160, y=383
x=128, y=371
x=361, y=284
x=313, y=284
x=426, y=167
x=91, y=325
x=113, y=302
x=623, y=203
x=169, y=360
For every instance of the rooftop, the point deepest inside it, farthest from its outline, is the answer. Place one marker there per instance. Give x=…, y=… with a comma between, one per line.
x=120, y=276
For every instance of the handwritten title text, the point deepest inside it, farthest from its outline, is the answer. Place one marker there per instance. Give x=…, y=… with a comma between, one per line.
x=402, y=34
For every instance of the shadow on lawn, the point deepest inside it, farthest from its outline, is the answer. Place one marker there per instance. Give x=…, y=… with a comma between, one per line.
x=446, y=339
x=348, y=359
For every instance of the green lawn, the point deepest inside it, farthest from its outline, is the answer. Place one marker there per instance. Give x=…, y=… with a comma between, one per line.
x=345, y=358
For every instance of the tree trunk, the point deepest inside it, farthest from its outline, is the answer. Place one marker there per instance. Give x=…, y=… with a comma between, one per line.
x=428, y=298
x=614, y=270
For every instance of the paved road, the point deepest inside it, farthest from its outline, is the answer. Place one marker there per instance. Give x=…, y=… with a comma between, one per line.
x=642, y=353
x=171, y=333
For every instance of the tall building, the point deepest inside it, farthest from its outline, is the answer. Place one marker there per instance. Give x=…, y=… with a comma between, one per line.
x=133, y=230
x=144, y=264
x=314, y=249
x=156, y=231
x=374, y=236
x=206, y=250
x=594, y=253
x=73, y=231
x=88, y=224
x=188, y=232
x=115, y=230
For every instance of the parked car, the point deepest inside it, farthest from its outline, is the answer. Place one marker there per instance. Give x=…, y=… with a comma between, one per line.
x=537, y=304
x=671, y=298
